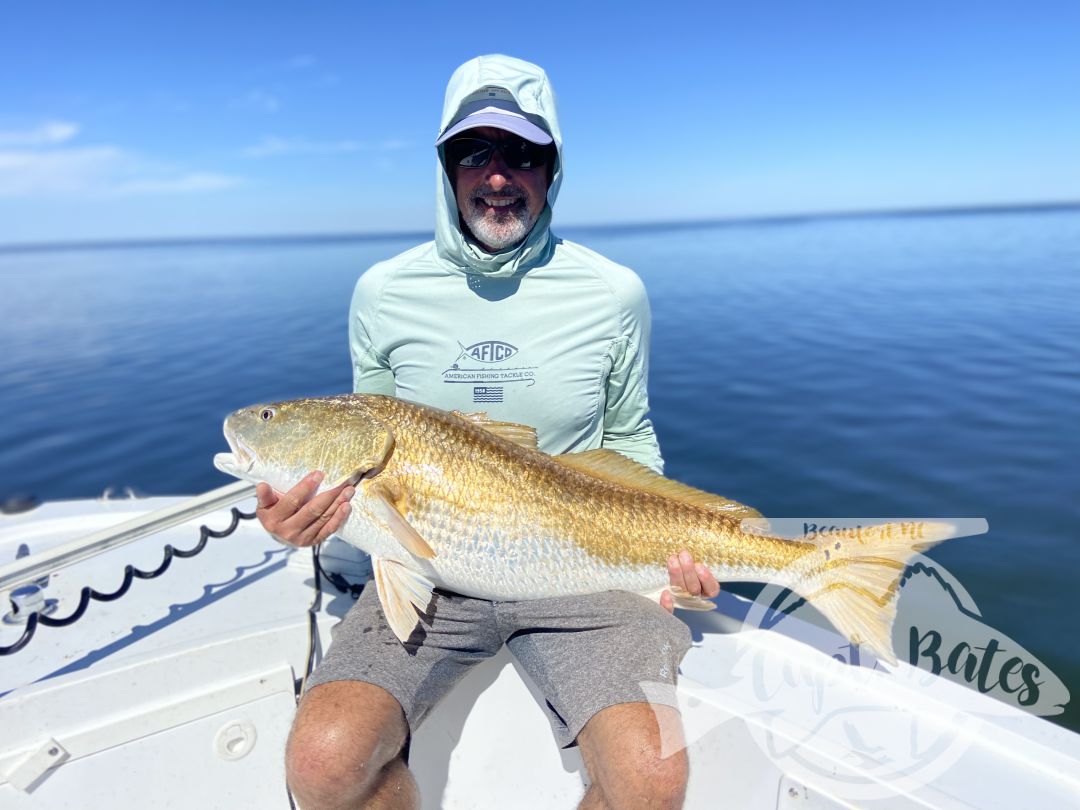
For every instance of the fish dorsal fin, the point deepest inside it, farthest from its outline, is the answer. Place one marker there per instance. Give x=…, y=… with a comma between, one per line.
x=403, y=593
x=609, y=465
x=521, y=435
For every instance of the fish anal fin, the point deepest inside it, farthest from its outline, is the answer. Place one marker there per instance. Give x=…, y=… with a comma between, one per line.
x=683, y=599
x=521, y=435
x=613, y=466
x=404, y=595
x=391, y=504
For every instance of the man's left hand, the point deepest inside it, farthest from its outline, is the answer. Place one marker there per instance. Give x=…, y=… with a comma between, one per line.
x=694, y=578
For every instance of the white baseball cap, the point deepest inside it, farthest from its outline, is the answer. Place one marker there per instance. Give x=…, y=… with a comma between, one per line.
x=495, y=107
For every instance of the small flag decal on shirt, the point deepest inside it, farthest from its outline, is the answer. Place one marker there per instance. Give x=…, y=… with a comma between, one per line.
x=487, y=393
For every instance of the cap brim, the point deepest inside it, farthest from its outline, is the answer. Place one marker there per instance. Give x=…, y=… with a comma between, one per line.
x=511, y=123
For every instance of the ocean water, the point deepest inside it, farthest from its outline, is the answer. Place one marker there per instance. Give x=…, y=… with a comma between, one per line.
x=906, y=366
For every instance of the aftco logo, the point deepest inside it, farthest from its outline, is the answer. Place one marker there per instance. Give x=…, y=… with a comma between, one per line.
x=490, y=351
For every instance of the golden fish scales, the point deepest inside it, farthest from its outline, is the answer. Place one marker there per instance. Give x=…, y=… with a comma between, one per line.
x=467, y=503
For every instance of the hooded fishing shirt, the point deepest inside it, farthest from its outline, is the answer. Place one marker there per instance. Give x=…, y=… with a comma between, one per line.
x=547, y=333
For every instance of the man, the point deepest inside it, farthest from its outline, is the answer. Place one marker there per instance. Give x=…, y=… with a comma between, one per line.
x=497, y=315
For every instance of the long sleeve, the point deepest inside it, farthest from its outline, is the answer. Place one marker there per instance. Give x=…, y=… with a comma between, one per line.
x=371, y=369
x=627, y=427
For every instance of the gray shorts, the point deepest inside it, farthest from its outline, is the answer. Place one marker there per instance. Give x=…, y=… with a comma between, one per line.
x=584, y=653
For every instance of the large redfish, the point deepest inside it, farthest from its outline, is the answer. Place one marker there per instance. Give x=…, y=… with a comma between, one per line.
x=465, y=503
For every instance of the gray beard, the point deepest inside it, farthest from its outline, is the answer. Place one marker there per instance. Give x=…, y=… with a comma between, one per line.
x=498, y=230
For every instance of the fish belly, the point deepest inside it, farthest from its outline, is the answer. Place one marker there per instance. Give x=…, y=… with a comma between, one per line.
x=487, y=563
x=537, y=568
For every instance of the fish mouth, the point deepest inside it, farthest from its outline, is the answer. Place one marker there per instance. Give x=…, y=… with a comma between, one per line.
x=240, y=461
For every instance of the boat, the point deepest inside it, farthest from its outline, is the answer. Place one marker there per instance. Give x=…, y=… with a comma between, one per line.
x=152, y=651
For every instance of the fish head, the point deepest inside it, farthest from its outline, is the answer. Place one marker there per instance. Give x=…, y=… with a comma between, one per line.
x=281, y=442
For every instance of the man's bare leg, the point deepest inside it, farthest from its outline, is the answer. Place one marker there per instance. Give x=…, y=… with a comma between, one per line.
x=621, y=746
x=344, y=750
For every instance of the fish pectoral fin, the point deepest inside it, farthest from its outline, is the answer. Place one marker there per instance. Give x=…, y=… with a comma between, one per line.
x=352, y=478
x=521, y=435
x=404, y=595
x=683, y=599
x=372, y=466
x=391, y=506
x=612, y=466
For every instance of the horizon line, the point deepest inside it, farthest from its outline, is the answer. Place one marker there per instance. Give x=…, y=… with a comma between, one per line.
x=119, y=243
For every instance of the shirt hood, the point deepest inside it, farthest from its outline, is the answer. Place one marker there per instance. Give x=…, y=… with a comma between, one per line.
x=532, y=91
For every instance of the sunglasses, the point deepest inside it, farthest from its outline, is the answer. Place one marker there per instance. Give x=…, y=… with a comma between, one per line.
x=475, y=153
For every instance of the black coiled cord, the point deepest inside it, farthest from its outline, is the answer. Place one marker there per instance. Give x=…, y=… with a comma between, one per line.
x=130, y=573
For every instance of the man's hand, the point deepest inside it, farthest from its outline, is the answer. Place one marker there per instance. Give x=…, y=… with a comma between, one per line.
x=694, y=578
x=299, y=519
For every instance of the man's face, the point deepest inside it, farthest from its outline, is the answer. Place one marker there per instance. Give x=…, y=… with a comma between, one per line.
x=498, y=204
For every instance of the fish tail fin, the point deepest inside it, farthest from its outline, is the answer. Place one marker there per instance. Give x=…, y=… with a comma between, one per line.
x=853, y=577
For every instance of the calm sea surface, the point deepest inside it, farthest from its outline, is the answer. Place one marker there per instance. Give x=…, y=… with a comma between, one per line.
x=913, y=366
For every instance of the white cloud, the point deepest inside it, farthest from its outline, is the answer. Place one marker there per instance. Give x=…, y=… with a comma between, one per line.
x=57, y=172
x=301, y=62
x=91, y=171
x=47, y=134
x=274, y=146
x=271, y=146
x=180, y=184
x=261, y=100
x=168, y=102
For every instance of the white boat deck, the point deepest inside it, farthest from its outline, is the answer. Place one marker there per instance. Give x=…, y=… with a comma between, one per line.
x=180, y=694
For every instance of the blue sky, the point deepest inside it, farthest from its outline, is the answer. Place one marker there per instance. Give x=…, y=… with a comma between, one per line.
x=144, y=120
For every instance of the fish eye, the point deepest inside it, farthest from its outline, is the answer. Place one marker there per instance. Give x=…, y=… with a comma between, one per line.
x=267, y=414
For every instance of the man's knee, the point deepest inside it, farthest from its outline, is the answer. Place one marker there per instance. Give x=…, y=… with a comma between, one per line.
x=643, y=781
x=647, y=779
x=344, y=734
x=664, y=778
x=634, y=760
